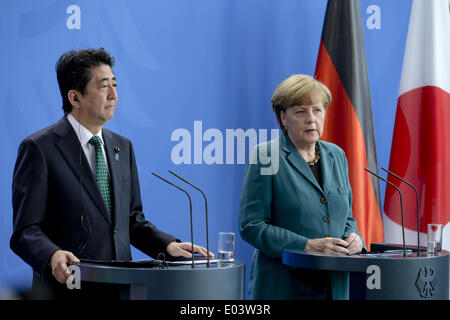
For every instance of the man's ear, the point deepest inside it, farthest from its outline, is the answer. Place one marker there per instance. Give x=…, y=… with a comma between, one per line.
x=73, y=96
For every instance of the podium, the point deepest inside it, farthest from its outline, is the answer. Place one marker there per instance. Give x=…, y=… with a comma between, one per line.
x=384, y=275
x=181, y=282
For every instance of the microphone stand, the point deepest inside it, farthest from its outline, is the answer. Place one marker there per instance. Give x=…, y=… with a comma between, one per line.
x=417, y=201
x=190, y=210
x=206, y=212
x=401, y=206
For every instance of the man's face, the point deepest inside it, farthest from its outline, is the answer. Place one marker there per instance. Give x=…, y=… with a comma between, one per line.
x=97, y=104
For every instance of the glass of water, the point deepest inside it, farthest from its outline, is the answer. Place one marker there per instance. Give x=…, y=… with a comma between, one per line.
x=225, y=247
x=434, y=238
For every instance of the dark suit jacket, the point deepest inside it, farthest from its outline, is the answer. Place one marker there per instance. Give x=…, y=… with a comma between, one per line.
x=57, y=204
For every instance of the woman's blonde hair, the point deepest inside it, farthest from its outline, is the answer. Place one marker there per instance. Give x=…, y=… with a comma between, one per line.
x=297, y=90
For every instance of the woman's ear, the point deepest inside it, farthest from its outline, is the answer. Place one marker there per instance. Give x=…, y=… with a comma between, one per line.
x=283, y=118
x=73, y=96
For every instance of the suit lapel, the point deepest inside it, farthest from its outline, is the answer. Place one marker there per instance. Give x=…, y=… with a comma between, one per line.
x=297, y=161
x=326, y=165
x=114, y=170
x=71, y=150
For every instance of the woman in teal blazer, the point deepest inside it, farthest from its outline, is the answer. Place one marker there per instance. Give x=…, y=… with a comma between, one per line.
x=304, y=203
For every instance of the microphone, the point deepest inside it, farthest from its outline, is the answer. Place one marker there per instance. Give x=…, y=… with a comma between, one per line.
x=190, y=210
x=206, y=212
x=417, y=199
x=401, y=205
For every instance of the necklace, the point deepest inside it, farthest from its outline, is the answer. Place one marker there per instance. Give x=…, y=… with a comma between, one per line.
x=316, y=157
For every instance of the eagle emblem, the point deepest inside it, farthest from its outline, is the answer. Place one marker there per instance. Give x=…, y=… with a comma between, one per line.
x=426, y=283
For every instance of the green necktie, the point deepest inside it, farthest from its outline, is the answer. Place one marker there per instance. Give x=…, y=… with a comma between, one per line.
x=101, y=172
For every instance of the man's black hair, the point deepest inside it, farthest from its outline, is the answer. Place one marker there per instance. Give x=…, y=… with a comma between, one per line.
x=73, y=70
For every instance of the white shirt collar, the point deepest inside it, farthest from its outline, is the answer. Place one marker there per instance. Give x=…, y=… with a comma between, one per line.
x=83, y=134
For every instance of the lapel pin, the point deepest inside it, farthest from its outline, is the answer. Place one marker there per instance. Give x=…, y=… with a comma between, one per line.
x=116, y=151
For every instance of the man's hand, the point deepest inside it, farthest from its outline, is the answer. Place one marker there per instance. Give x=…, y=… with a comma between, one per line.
x=333, y=246
x=354, y=243
x=184, y=249
x=58, y=263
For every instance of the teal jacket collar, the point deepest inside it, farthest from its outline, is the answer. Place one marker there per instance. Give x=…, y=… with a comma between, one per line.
x=294, y=157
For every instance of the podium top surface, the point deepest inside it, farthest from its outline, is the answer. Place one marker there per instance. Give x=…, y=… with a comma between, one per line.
x=141, y=272
x=357, y=263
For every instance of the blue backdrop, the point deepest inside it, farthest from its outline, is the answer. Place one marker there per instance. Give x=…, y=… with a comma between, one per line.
x=188, y=71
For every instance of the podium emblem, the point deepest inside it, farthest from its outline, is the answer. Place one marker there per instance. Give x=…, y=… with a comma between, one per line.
x=426, y=282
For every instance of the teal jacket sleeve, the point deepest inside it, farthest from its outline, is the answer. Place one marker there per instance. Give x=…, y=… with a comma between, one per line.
x=255, y=214
x=351, y=222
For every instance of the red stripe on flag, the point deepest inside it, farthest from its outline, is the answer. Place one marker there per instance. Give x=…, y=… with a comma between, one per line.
x=421, y=154
x=343, y=128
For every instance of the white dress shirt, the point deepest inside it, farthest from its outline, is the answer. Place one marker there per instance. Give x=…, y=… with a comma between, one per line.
x=84, y=135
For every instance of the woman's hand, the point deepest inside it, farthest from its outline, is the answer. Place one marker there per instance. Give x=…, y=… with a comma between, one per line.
x=354, y=243
x=333, y=246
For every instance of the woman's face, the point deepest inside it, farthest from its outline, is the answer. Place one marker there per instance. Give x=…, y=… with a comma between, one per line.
x=305, y=123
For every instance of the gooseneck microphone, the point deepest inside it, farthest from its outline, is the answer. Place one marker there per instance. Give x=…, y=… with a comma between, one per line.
x=190, y=211
x=401, y=205
x=417, y=201
x=206, y=212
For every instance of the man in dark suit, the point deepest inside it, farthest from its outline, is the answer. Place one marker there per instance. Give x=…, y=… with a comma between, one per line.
x=75, y=190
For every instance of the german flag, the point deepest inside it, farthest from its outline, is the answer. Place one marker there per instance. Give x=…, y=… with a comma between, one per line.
x=341, y=66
